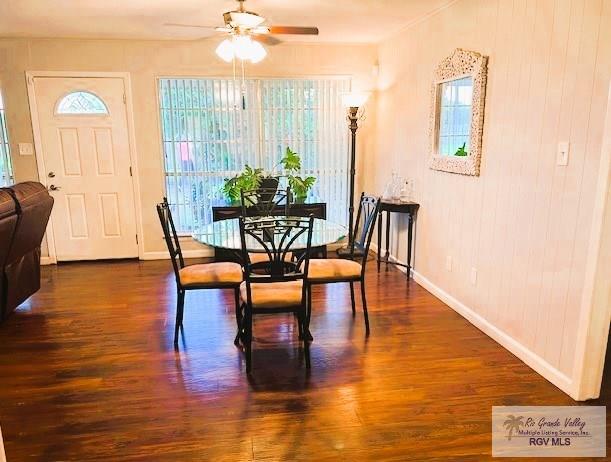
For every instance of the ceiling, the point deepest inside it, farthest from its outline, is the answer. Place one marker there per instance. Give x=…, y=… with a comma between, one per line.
x=352, y=21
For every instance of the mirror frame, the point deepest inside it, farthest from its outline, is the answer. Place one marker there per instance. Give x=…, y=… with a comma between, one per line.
x=461, y=63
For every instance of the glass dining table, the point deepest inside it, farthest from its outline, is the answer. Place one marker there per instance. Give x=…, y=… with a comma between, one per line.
x=225, y=234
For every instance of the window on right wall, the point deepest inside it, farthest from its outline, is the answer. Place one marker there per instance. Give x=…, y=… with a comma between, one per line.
x=6, y=169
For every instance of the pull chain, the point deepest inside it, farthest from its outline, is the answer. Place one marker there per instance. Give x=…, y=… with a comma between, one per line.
x=243, y=88
x=235, y=83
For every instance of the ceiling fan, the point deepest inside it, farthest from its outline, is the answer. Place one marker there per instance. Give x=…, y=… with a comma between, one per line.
x=247, y=30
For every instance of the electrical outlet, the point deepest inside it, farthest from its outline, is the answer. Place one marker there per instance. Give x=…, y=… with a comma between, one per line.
x=473, y=276
x=449, y=263
x=562, y=156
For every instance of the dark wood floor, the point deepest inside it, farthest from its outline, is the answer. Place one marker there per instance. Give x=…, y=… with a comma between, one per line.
x=89, y=372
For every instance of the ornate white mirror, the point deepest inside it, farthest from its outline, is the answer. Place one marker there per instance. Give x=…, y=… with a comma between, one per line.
x=457, y=112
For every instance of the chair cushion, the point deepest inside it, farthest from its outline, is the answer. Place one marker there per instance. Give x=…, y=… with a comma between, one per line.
x=211, y=274
x=329, y=269
x=258, y=257
x=273, y=294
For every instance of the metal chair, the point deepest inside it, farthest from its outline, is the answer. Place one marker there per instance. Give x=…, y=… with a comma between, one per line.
x=276, y=285
x=265, y=202
x=192, y=277
x=348, y=268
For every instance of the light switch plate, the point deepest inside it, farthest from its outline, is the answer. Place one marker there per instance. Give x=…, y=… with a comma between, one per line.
x=562, y=156
x=26, y=149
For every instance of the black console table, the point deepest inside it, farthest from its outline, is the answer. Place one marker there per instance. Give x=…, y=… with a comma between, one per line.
x=222, y=211
x=408, y=208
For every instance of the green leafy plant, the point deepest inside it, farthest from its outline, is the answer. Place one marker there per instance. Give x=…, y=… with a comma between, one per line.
x=300, y=186
x=250, y=178
x=290, y=162
x=461, y=151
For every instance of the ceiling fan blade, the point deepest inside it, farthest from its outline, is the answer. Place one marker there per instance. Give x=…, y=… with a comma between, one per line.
x=295, y=30
x=172, y=24
x=266, y=40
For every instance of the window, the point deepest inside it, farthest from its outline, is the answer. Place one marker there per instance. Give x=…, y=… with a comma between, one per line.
x=6, y=169
x=455, y=117
x=210, y=131
x=81, y=102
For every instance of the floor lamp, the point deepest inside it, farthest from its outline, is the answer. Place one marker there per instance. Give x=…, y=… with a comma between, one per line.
x=354, y=103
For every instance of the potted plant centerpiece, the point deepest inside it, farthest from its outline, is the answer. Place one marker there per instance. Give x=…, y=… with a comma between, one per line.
x=253, y=178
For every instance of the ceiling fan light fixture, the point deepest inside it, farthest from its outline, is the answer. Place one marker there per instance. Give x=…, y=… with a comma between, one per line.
x=226, y=51
x=246, y=49
x=257, y=52
x=242, y=46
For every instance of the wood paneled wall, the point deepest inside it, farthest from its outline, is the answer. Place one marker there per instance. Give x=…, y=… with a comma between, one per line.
x=524, y=224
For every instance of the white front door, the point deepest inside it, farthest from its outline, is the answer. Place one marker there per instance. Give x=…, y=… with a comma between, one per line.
x=86, y=154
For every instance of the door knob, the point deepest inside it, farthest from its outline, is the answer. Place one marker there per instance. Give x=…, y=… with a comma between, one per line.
x=51, y=175
x=54, y=188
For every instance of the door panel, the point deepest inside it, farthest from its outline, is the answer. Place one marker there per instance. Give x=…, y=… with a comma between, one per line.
x=104, y=151
x=86, y=156
x=77, y=216
x=70, y=152
x=109, y=211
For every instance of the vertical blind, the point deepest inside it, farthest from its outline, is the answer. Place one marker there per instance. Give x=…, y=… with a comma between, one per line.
x=6, y=170
x=211, y=128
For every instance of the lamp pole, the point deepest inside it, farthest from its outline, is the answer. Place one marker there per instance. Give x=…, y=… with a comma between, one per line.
x=353, y=118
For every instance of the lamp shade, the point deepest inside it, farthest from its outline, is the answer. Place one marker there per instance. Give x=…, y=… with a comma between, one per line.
x=354, y=99
x=242, y=45
x=225, y=51
x=257, y=52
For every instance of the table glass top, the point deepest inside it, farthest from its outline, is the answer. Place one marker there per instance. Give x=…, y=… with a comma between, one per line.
x=226, y=235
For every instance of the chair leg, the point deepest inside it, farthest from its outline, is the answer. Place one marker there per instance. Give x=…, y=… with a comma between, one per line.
x=308, y=315
x=248, y=337
x=180, y=307
x=238, y=315
x=365, y=306
x=306, y=342
x=352, y=299
x=300, y=328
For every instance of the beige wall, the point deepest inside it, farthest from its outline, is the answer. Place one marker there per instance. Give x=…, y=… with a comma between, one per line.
x=524, y=224
x=145, y=60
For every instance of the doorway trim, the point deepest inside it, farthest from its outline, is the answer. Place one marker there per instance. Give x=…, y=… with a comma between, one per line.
x=595, y=316
x=129, y=112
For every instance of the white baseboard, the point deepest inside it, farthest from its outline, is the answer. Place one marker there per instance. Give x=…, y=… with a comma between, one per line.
x=529, y=357
x=164, y=255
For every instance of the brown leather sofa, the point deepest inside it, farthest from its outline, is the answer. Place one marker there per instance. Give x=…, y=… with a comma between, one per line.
x=24, y=213
x=8, y=223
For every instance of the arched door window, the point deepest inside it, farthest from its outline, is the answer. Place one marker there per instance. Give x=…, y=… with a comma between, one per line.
x=81, y=102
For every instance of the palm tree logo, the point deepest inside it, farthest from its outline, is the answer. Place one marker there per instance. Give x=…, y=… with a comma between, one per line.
x=513, y=423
